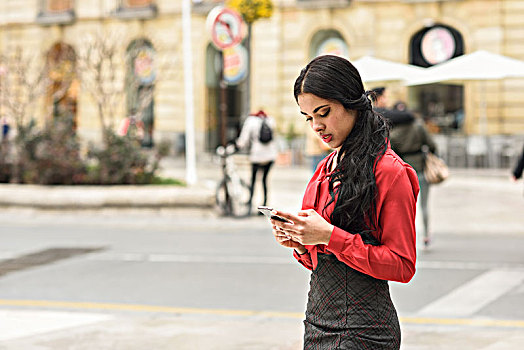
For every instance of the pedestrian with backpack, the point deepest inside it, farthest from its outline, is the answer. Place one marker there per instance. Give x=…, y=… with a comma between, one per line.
x=258, y=135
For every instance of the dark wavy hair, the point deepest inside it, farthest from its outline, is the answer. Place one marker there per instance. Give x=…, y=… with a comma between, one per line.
x=336, y=79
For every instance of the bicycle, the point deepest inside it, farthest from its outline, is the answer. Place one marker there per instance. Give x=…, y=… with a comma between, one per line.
x=232, y=193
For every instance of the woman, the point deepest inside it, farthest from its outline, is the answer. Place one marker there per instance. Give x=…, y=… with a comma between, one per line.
x=356, y=229
x=409, y=139
x=261, y=154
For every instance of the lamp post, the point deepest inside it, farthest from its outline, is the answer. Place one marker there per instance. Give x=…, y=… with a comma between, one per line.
x=191, y=174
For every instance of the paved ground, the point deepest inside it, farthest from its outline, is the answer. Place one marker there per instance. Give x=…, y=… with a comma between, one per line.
x=471, y=203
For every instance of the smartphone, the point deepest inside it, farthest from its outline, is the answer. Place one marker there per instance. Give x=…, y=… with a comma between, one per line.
x=267, y=212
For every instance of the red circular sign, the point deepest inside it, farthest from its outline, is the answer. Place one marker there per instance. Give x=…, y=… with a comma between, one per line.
x=226, y=28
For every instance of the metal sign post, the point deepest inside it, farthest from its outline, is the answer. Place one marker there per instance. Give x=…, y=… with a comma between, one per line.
x=191, y=174
x=227, y=31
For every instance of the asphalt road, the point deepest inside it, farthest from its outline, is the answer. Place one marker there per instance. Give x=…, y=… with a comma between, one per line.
x=211, y=271
x=181, y=279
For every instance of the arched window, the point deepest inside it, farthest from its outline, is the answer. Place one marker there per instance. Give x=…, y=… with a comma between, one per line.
x=140, y=85
x=328, y=41
x=225, y=102
x=63, y=90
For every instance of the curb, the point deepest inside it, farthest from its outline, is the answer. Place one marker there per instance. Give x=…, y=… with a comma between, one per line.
x=120, y=196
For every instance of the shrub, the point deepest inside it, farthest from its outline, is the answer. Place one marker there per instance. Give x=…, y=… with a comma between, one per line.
x=122, y=160
x=50, y=156
x=6, y=166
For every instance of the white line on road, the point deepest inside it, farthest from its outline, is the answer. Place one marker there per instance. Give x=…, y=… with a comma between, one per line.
x=242, y=259
x=22, y=323
x=467, y=265
x=192, y=258
x=474, y=295
x=220, y=259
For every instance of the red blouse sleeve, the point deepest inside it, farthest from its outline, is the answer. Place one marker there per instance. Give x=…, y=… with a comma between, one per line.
x=395, y=258
x=304, y=259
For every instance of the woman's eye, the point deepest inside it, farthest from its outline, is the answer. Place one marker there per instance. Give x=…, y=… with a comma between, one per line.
x=326, y=113
x=308, y=119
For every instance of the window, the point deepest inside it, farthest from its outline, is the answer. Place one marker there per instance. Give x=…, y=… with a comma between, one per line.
x=140, y=85
x=56, y=12
x=57, y=6
x=62, y=94
x=323, y=3
x=204, y=6
x=137, y=3
x=133, y=9
x=328, y=41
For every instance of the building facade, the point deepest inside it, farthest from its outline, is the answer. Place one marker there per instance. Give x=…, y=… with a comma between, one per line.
x=420, y=32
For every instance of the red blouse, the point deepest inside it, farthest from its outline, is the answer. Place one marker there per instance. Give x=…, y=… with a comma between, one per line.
x=394, y=259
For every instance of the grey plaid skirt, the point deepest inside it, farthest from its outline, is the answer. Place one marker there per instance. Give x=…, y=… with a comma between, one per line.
x=347, y=309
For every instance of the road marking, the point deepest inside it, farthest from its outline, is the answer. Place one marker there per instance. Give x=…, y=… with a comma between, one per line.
x=146, y=308
x=223, y=312
x=472, y=296
x=465, y=265
x=24, y=323
x=192, y=258
x=240, y=259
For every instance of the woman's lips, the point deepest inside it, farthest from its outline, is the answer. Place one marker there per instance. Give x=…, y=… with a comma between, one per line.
x=327, y=138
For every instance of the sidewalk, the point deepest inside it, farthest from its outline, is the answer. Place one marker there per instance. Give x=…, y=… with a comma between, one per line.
x=201, y=195
x=458, y=201
x=198, y=196
x=86, y=331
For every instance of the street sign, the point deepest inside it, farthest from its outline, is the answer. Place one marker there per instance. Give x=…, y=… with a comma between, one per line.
x=226, y=27
x=235, y=64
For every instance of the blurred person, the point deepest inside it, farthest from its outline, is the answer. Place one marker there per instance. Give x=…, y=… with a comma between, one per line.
x=409, y=138
x=397, y=114
x=258, y=134
x=131, y=125
x=519, y=167
x=316, y=149
x=5, y=127
x=356, y=229
x=380, y=98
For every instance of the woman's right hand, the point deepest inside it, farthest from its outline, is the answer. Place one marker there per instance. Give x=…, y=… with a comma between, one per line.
x=286, y=241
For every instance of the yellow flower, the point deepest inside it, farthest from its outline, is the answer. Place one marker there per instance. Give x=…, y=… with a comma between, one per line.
x=252, y=10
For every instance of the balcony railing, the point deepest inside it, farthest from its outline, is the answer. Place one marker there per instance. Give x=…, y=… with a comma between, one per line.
x=323, y=3
x=56, y=12
x=133, y=9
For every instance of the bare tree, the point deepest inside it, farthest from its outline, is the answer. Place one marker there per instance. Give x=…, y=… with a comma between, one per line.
x=98, y=62
x=24, y=79
x=102, y=64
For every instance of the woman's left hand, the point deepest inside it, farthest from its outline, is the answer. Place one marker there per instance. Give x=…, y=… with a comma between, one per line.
x=308, y=227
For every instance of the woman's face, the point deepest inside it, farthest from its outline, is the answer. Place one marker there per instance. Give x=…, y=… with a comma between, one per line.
x=328, y=119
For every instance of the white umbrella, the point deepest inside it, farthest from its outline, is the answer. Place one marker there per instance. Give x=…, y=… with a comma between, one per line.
x=479, y=65
x=373, y=69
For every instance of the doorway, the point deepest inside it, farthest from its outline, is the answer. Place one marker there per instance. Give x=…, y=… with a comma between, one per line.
x=225, y=103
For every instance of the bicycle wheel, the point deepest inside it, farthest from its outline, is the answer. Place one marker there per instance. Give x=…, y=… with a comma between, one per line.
x=222, y=199
x=239, y=193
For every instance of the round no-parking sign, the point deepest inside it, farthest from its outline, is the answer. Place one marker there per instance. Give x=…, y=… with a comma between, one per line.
x=226, y=27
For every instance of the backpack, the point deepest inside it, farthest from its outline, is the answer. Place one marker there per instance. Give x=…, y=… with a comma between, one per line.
x=266, y=134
